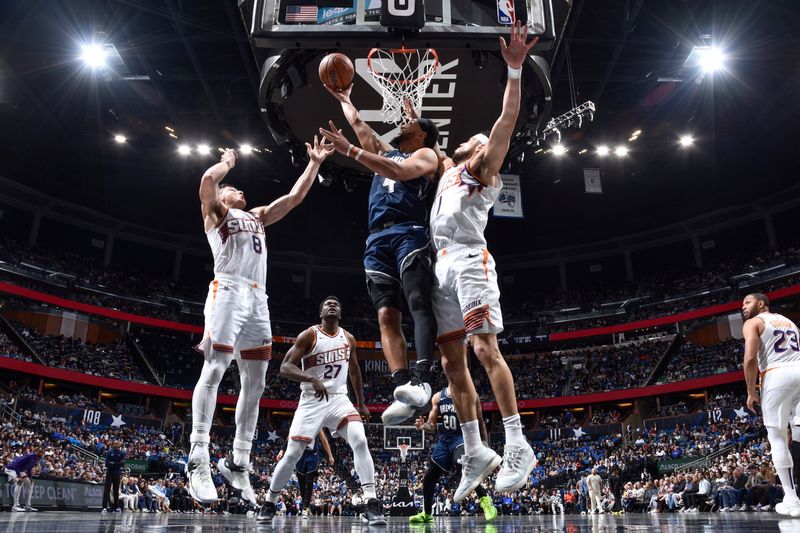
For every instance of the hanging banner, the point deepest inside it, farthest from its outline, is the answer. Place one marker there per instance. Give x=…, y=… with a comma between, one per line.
x=591, y=180
x=509, y=203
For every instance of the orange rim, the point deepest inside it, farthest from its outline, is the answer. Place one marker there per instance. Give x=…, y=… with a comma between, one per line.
x=407, y=51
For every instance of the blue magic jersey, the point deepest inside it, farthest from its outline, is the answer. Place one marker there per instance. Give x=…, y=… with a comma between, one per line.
x=398, y=201
x=447, y=412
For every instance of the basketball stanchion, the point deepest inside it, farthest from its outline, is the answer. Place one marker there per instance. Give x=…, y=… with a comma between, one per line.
x=403, y=501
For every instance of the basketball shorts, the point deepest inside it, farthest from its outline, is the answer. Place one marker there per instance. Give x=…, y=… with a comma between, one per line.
x=390, y=251
x=308, y=463
x=466, y=297
x=237, y=318
x=313, y=414
x=780, y=395
x=447, y=451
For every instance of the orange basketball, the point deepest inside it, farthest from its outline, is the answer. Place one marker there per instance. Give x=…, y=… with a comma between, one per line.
x=336, y=71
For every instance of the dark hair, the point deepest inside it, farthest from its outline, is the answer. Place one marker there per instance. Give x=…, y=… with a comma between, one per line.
x=761, y=297
x=331, y=297
x=431, y=131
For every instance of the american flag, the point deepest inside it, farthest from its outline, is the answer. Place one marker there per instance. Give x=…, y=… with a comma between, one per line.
x=301, y=13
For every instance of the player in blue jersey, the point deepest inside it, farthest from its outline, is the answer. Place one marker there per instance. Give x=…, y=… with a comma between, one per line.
x=397, y=258
x=306, y=469
x=447, y=452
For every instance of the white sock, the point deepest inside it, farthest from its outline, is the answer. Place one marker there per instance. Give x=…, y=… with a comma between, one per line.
x=272, y=496
x=513, y=427
x=241, y=457
x=199, y=452
x=472, y=437
x=369, y=490
x=787, y=482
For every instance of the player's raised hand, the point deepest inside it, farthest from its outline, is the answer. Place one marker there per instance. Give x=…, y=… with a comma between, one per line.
x=343, y=95
x=518, y=46
x=419, y=422
x=320, y=392
x=229, y=156
x=320, y=151
x=408, y=109
x=334, y=135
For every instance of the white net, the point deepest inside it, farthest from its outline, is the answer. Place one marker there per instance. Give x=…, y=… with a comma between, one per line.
x=402, y=74
x=403, y=452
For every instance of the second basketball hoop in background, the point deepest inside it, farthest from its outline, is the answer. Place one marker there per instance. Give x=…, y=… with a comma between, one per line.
x=336, y=71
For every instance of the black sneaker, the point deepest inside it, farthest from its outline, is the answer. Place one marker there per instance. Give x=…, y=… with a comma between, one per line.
x=373, y=513
x=267, y=512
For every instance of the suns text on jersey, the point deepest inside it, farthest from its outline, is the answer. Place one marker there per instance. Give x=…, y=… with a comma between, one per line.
x=325, y=358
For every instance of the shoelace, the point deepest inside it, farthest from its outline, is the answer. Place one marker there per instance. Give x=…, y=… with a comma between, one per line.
x=514, y=457
x=204, y=472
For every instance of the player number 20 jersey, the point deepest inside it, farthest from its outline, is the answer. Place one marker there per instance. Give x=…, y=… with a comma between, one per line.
x=780, y=342
x=461, y=209
x=328, y=360
x=239, y=247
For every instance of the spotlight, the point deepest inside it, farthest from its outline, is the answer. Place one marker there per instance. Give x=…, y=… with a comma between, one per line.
x=711, y=59
x=120, y=138
x=686, y=140
x=203, y=149
x=559, y=150
x=246, y=149
x=603, y=150
x=621, y=151
x=184, y=149
x=93, y=55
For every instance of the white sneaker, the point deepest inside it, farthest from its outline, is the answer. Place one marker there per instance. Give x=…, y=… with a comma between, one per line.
x=30, y=509
x=518, y=463
x=201, y=486
x=397, y=413
x=413, y=393
x=474, y=469
x=305, y=514
x=744, y=507
x=17, y=509
x=790, y=508
x=238, y=476
x=766, y=508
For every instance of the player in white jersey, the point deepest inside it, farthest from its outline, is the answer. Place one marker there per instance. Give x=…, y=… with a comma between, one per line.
x=466, y=297
x=327, y=354
x=236, y=316
x=772, y=350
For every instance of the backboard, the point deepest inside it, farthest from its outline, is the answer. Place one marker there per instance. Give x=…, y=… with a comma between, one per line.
x=447, y=23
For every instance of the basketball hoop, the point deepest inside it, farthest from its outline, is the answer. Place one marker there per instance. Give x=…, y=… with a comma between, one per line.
x=402, y=74
x=403, y=452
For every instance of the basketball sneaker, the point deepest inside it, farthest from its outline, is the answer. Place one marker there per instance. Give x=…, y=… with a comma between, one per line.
x=305, y=514
x=30, y=509
x=267, y=512
x=397, y=413
x=415, y=393
x=518, y=463
x=420, y=518
x=474, y=469
x=790, y=508
x=489, y=510
x=201, y=486
x=238, y=476
x=373, y=513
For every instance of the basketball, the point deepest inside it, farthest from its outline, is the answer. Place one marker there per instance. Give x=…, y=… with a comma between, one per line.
x=336, y=71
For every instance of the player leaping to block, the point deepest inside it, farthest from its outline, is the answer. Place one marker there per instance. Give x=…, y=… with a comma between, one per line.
x=466, y=295
x=448, y=451
x=327, y=354
x=397, y=257
x=236, y=316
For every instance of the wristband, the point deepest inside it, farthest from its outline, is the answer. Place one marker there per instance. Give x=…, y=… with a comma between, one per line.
x=349, y=149
x=514, y=73
x=360, y=151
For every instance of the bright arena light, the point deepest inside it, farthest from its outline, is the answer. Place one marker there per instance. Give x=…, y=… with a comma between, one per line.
x=621, y=151
x=184, y=149
x=686, y=140
x=603, y=150
x=559, y=149
x=711, y=59
x=246, y=149
x=203, y=149
x=93, y=55
x=120, y=138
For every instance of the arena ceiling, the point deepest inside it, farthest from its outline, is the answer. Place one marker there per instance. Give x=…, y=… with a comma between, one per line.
x=189, y=65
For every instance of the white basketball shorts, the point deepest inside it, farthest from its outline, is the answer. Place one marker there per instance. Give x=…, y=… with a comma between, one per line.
x=466, y=298
x=780, y=395
x=313, y=414
x=237, y=319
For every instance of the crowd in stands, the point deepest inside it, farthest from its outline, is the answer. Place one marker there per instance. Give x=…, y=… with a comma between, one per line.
x=603, y=303
x=694, y=360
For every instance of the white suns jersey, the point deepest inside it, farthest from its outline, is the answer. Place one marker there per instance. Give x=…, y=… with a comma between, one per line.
x=461, y=209
x=328, y=361
x=779, y=342
x=239, y=246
